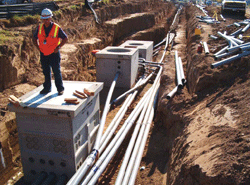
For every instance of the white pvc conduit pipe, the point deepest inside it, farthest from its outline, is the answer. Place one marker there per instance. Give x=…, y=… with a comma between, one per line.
x=148, y=120
x=125, y=165
x=142, y=125
x=238, y=41
x=116, y=141
x=237, y=32
x=237, y=47
x=172, y=93
x=206, y=48
x=237, y=24
x=117, y=119
x=115, y=122
x=228, y=60
x=227, y=38
x=178, y=74
x=181, y=71
x=77, y=177
x=130, y=147
x=133, y=89
x=105, y=112
x=140, y=152
x=213, y=37
x=222, y=17
x=246, y=28
x=120, y=179
x=224, y=55
x=222, y=51
x=245, y=48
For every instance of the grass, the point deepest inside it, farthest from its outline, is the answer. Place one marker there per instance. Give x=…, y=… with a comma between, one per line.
x=73, y=7
x=6, y=36
x=21, y=20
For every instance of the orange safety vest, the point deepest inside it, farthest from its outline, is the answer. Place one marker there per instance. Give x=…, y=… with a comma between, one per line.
x=47, y=45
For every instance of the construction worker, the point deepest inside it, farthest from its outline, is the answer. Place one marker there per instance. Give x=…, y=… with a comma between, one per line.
x=49, y=38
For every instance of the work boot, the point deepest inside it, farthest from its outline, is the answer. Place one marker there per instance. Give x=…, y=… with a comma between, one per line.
x=60, y=93
x=44, y=91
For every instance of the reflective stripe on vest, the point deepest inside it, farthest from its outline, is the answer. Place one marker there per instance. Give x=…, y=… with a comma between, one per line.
x=40, y=29
x=56, y=31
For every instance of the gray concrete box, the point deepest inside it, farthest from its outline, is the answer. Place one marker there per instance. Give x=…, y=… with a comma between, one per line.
x=145, y=48
x=55, y=136
x=113, y=59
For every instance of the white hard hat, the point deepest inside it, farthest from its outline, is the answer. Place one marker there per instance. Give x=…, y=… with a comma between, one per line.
x=46, y=13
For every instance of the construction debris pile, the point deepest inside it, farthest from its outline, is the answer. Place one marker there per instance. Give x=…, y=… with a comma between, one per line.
x=236, y=47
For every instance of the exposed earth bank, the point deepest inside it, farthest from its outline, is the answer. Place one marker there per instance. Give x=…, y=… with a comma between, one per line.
x=201, y=136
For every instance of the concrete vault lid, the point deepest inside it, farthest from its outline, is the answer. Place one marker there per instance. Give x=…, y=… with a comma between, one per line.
x=117, y=52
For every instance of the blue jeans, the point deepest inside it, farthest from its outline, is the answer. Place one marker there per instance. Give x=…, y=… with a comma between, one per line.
x=52, y=61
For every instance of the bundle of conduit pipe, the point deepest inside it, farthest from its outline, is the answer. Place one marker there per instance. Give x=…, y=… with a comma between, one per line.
x=202, y=9
x=207, y=19
x=236, y=46
x=180, y=77
x=105, y=146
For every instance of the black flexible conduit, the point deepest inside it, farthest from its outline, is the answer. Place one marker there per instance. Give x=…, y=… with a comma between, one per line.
x=89, y=6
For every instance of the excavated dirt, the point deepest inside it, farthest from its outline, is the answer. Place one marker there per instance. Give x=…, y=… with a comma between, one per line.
x=208, y=123
x=200, y=136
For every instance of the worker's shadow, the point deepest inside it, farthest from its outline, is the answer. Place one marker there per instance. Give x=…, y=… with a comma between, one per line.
x=35, y=103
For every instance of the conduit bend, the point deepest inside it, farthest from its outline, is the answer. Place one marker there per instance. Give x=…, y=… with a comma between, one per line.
x=105, y=112
x=133, y=89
